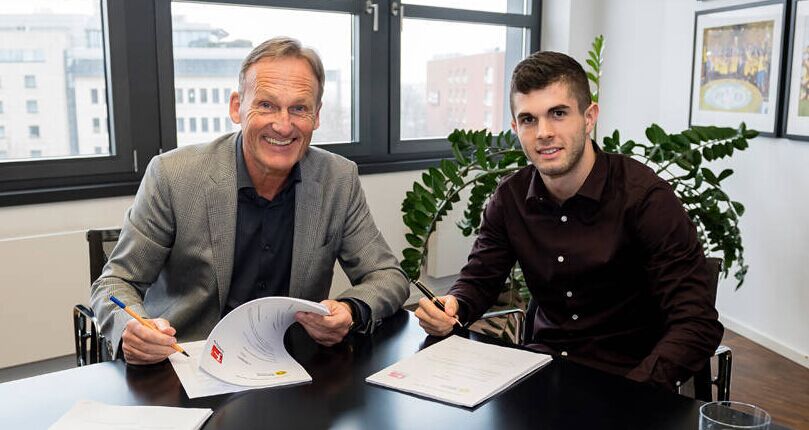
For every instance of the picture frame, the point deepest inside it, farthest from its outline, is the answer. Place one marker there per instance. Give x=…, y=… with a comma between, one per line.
x=737, y=66
x=796, y=111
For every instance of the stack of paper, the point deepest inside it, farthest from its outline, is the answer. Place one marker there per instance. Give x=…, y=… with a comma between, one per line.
x=90, y=415
x=245, y=350
x=460, y=371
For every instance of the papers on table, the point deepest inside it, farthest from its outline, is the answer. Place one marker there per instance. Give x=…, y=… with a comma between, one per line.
x=460, y=371
x=245, y=350
x=197, y=382
x=90, y=415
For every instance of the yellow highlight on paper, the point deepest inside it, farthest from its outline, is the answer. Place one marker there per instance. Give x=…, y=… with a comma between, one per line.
x=281, y=372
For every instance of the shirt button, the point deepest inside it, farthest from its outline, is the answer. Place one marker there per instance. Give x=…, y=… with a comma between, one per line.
x=564, y=353
x=560, y=259
x=564, y=218
x=569, y=293
x=266, y=247
x=575, y=317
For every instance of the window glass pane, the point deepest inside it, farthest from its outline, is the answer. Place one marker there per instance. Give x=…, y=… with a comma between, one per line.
x=211, y=40
x=457, y=82
x=502, y=6
x=51, y=52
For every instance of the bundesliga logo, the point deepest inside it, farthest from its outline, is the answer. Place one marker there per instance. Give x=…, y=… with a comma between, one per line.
x=216, y=353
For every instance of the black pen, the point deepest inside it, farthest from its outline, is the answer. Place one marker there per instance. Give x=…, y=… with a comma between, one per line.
x=429, y=294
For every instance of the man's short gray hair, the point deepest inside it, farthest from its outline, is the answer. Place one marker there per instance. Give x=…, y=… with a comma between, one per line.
x=284, y=47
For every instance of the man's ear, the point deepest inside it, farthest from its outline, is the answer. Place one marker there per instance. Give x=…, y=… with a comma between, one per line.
x=317, y=115
x=235, y=105
x=591, y=116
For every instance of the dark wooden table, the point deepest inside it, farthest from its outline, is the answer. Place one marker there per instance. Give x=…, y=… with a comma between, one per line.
x=562, y=395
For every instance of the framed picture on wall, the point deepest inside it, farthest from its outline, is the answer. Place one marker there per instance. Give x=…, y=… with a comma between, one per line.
x=796, y=118
x=737, y=66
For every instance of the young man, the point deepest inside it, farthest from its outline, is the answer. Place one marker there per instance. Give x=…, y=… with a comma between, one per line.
x=252, y=214
x=608, y=252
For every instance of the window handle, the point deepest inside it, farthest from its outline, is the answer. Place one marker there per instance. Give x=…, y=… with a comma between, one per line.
x=372, y=8
x=397, y=9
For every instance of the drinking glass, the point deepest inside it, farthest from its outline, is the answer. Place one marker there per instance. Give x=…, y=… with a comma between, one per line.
x=732, y=415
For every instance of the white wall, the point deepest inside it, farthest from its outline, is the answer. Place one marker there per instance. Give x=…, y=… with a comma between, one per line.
x=647, y=78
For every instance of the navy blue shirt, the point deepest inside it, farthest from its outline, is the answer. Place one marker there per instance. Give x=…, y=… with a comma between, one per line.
x=264, y=235
x=265, y=229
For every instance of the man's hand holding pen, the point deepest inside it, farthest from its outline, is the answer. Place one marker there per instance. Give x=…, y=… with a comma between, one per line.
x=435, y=321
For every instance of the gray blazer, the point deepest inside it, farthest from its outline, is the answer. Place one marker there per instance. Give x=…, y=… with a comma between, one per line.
x=174, y=258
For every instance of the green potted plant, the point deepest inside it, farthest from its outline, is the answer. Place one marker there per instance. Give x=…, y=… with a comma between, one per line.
x=481, y=159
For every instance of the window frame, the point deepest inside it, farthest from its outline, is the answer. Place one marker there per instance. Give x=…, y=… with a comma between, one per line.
x=126, y=28
x=141, y=96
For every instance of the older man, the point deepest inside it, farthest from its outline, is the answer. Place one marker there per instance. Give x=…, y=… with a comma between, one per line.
x=252, y=214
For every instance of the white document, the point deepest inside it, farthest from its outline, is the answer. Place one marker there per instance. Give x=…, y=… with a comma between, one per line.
x=460, y=371
x=245, y=350
x=90, y=415
x=197, y=382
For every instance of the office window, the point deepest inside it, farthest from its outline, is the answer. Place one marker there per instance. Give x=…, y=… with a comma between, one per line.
x=49, y=54
x=204, y=124
x=379, y=110
x=231, y=31
x=217, y=127
x=2, y=132
x=1, y=106
x=96, y=125
x=432, y=63
x=99, y=150
x=3, y=154
x=180, y=125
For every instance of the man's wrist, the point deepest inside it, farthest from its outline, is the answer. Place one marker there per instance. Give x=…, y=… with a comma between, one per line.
x=358, y=319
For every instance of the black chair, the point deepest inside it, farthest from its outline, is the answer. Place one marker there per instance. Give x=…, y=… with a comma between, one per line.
x=698, y=387
x=91, y=345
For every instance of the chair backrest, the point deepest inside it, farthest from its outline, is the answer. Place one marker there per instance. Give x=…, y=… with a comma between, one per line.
x=100, y=243
x=91, y=346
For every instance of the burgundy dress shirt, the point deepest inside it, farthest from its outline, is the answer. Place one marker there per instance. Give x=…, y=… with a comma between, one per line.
x=617, y=273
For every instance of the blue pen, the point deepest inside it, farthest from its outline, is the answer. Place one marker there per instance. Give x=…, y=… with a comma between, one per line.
x=146, y=323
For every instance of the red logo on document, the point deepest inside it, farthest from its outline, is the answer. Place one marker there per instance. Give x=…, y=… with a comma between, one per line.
x=216, y=353
x=396, y=374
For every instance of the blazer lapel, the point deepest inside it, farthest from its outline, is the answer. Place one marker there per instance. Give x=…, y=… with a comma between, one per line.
x=308, y=197
x=221, y=203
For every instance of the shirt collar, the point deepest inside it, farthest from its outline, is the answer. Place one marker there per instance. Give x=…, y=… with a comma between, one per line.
x=243, y=176
x=592, y=188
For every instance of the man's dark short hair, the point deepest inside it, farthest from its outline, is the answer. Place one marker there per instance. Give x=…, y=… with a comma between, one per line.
x=541, y=69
